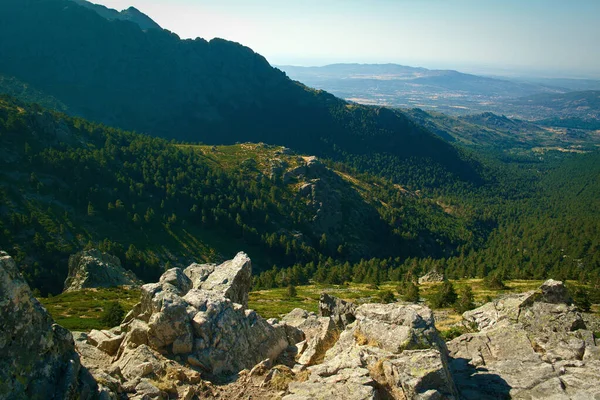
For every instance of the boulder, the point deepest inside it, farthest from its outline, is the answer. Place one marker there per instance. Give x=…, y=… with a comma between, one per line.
x=555, y=292
x=92, y=269
x=389, y=351
x=233, y=279
x=106, y=341
x=37, y=357
x=432, y=276
x=532, y=345
x=341, y=311
x=197, y=316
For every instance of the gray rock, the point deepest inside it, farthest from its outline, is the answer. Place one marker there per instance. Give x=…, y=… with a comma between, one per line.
x=37, y=356
x=341, y=311
x=432, y=276
x=106, y=341
x=390, y=351
x=92, y=269
x=319, y=342
x=530, y=346
x=233, y=279
x=198, y=273
x=208, y=326
x=555, y=292
x=146, y=390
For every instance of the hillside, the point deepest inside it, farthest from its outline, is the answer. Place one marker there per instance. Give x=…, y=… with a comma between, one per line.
x=66, y=183
x=215, y=92
x=499, y=132
x=131, y=14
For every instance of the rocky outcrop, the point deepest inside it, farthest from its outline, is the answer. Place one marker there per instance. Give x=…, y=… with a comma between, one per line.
x=532, y=345
x=342, y=312
x=197, y=317
x=432, y=276
x=37, y=356
x=233, y=278
x=390, y=351
x=92, y=269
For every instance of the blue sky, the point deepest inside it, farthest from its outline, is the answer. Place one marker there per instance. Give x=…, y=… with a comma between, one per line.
x=549, y=37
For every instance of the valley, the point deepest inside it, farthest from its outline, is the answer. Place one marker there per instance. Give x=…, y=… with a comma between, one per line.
x=181, y=219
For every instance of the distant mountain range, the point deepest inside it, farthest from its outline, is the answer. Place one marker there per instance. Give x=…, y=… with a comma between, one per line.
x=448, y=91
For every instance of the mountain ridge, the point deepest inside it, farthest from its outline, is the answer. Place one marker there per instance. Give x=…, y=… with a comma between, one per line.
x=216, y=92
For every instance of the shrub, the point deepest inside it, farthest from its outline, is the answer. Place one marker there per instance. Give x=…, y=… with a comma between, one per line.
x=113, y=314
x=453, y=332
x=386, y=296
x=465, y=300
x=445, y=296
x=581, y=299
x=409, y=292
x=291, y=292
x=494, y=282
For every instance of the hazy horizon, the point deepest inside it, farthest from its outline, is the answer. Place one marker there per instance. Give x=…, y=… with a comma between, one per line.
x=548, y=38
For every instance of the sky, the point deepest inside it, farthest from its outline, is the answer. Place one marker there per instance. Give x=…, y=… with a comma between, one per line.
x=551, y=38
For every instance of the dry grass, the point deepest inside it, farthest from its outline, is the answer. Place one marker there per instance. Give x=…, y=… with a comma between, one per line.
x=326, y=344
x=362, y=340
x=282, y=376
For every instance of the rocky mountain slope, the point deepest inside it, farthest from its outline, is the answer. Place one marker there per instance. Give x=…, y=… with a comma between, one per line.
x=215, y=92
x=191, y=336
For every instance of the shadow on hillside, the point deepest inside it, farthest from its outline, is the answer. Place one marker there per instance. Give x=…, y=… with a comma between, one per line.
x=477, y=383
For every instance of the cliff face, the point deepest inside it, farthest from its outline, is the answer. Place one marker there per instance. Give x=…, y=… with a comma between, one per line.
x=37, y=356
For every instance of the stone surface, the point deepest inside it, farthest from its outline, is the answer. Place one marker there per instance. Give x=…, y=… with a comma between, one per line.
x=529, y=346
x=37, y=356
x=92, y=268
x=432, y=276
x=187, y=323
x=389, y=351
x=106, y=341
x=233, y=279
x=341, y=311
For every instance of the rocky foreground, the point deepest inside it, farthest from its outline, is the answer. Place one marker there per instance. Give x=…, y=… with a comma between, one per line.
x=192, y=336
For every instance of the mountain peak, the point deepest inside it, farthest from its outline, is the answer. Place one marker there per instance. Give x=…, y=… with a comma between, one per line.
x=131, y=14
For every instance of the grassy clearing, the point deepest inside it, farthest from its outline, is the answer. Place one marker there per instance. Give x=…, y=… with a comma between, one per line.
x=272, y=303
x=82, y=310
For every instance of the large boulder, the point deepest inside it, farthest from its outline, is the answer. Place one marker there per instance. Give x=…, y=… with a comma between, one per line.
x=341, y=311
x=532, y=345
x=197, y=317
x=37, y=357
x=233, y=278
x=93, y=268
x=389, y=351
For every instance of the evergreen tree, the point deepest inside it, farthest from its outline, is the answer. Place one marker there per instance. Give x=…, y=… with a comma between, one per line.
x=444, y=296
x=465, y=300
x=113, y=314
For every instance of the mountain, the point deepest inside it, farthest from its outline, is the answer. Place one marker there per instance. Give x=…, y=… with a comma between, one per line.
x=131, y=14
x=396, y=85
x=216, y=92
x=66, y=184
x=584, y=105
x=509, y=135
